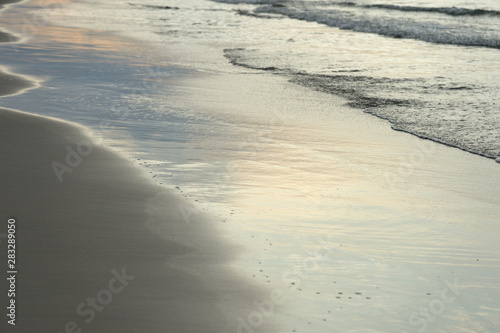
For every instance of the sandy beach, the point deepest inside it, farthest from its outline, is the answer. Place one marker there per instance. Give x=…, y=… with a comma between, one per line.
x=106, y=233
x=98, y=246
x=158, y=188
x=11, y=84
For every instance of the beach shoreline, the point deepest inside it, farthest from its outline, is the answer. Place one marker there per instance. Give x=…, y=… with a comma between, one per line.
x=324, y=210
x=101, y=218
x=98, y=245
x=6, y=37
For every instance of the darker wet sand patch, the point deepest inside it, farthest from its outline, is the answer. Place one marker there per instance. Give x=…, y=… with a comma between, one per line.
x=11, y=84
x=5, y=37
x=7, y=2
x=101, y=248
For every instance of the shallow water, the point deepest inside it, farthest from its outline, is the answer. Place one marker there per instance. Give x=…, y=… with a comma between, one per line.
x=359, y=226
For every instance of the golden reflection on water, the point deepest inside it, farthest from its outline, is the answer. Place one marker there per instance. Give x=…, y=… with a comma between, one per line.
x=40, y=28
x=328, y=170
x=81, y=39
x=311, y=179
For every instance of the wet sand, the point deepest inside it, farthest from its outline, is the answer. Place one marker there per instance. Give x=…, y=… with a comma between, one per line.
x=6, y=37
x=105, y=234
x=403, y=220
x=100, y=247
x=11, y=84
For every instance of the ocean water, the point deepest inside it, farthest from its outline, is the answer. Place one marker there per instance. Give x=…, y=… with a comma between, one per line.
x=429, y=67
x=256, y=112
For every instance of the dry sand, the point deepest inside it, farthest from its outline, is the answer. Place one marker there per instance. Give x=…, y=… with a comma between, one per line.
x=103, y=220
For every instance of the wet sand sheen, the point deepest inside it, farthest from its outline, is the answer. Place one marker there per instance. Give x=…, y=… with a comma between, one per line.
x=138, y=228
x=99, y=247
x=106, y=233
x=4, y=36
x=11, y=84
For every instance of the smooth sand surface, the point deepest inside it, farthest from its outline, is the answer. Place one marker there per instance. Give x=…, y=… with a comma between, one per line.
x=99, y=248
x=403, y=218
x=104, y=219
x=6, y=37
x=11, y=84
